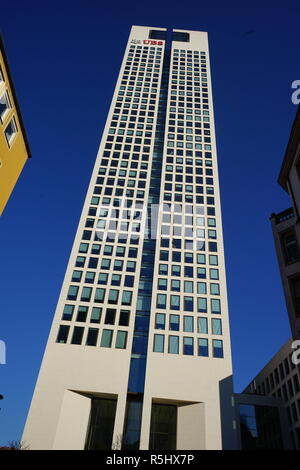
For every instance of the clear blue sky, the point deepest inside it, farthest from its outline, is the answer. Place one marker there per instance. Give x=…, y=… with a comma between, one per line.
x=65, y=57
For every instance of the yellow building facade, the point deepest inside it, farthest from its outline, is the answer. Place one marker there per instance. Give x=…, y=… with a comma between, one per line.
x=14, y=148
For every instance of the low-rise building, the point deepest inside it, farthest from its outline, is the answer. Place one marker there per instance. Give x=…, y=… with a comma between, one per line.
x=14, y=148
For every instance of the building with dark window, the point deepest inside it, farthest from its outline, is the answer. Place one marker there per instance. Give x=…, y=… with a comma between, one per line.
x=280, y=379
x=261, y=423
x=14, y=148
x=138, y=356
x=286, y=229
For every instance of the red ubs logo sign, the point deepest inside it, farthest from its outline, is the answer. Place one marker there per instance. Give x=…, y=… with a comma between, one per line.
x=151, y=42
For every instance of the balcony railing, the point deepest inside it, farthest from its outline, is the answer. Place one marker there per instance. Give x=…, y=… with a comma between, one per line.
x=284, y=215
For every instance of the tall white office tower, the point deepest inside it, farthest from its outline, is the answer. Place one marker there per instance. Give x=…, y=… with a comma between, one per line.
x=138, y=355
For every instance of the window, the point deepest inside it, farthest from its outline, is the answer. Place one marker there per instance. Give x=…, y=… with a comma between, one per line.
x=10, y=131
x=82, y=313
x=110, y=316
x=158, y=345
x=77, y=335
x=203, y=347
x=188, y=304
x=214, y=273
x=113, y=296
x=188, y=324
x=99, y=295
x=124, y=318
x=83, y=247
x=202, y=304
x=72, y=293
x=4, y=105
x=96, y=315
x=162, y=284
x=126, y=297
x=130, y=266
x=68, y=312
x=216, y=325
x=188, y=287
x=290, y=247
x=173, y=344
x=86, y=294
x=217, y=348
x=116, y=279
x=163, y=269
x=202, y=325
x=174, y=323
x=160, y=320
x=161, y=301
x=214, y=289
x=121, y=340
x=76, y=276
x=213, y=260
x=188, y=346
x=89, y=277
x=63, y=334
x=215, y=306
x=102, y=279
x=201, y=288
x=106, y=338
x=92, y=337
x=295, y=289
x=201, y=273
x=175, y=285
x=175, y=302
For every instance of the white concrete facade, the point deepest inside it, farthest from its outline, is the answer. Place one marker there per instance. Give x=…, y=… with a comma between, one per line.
x=91, y=357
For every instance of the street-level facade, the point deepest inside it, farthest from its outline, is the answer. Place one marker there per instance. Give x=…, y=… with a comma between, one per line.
x=138, y=356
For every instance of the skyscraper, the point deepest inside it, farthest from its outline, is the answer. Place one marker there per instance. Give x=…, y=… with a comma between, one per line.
x=139, y=353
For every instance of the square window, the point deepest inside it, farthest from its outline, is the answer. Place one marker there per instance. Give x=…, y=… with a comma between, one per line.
x=63, y=333
x=174, y=323
x=188, y=324
x=72, y=293
x=203, y=347
x=4, y=107
x=68, y=312
x=218, y=348
x=215, y=306
x=106, y=338
x=161, y=301
x=188, y=346
x=202, y=325
x=158, y=345
x=214, y=289
x=124, y=318
x=102, y=279
x=96, y=315
x=202, y=304
x=173, y=344
x=160, y=320
x=216, y=326
x=82, y=313
x=92, y=337
x=77, y=335
x=121, y=340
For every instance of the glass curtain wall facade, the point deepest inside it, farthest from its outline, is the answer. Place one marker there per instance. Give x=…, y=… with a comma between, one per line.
x=142, y=320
